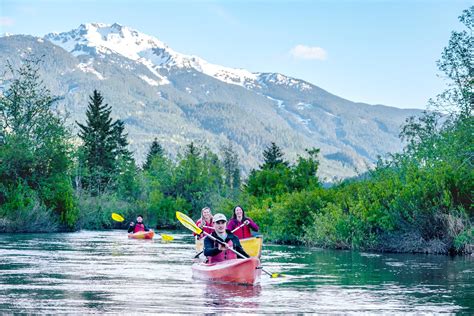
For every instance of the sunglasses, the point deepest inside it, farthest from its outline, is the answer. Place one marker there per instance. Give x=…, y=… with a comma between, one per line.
x=220, y=222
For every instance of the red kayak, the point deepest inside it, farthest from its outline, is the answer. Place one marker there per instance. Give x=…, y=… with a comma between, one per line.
x=241, y=271
x=142, y=235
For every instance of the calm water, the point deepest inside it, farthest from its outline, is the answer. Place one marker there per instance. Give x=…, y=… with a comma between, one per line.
x=104, y=272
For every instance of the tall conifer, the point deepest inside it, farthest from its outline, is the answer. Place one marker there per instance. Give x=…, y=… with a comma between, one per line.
x=102, y=142
x=273, y=157
x=156, y=150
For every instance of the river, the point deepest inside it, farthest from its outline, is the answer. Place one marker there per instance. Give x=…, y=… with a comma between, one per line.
x=104, y=272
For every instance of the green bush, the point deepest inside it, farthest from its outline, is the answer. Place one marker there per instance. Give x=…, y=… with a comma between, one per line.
x=24, y=212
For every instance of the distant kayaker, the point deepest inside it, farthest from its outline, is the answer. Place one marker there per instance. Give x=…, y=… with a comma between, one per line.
x=217, y=252
x=206, y=221
x=138, y=226
x=245, y=223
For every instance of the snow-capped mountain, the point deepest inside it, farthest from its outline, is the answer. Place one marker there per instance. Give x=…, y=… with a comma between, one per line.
x=98, y=38
x=178, y=98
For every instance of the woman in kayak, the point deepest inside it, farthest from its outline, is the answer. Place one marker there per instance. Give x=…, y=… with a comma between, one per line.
x=219, y=251
x=138, y=226
x=205, y=222
x=243, y=223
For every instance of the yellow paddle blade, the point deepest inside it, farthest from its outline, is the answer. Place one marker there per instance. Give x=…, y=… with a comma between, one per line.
x=118, y=218
x=188, y=223
x=167, y=237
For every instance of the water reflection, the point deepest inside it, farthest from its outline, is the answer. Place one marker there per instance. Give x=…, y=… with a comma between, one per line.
x=230, y=295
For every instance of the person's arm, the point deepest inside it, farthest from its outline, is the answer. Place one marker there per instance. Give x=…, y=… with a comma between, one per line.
x=238, y=247
x=252, y=224
x=231, y=225
x=209, y=249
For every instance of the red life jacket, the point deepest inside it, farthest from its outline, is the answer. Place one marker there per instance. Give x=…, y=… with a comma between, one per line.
x=208, y=229
x=139, y=227
x=223, y=255
x=243, y=232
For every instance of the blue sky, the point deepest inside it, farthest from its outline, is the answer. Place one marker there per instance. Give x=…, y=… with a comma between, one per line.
x=377, y=51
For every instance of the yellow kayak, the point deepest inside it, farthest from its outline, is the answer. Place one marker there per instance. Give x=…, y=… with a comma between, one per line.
x=252, y=246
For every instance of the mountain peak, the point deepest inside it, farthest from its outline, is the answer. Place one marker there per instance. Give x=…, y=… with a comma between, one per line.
x=104, y=39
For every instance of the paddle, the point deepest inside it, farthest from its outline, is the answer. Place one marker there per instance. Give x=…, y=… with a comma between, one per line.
x=119, y=218
x=197, y=255
x=233, y=231
x=272, y=275
x=189, y=224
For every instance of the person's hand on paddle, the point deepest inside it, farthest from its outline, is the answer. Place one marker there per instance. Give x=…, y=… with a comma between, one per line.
x=132, y=223
x=222, y=247
x=246, y=222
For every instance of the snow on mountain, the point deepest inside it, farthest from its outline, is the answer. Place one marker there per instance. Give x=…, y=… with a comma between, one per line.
x=99, y=38
x=280, y=79
x=88, y=68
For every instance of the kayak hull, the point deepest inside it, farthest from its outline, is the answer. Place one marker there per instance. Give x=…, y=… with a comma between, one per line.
x=238, y=271
x=142, y=235
x=252, y=246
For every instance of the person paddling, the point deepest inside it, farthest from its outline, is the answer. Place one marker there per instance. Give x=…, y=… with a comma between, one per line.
x=205, y=222
x=245, y=223
x=138, y=226
x=219, y=251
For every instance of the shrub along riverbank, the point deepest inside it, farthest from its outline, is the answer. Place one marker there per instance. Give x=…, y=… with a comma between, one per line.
x=419, y=200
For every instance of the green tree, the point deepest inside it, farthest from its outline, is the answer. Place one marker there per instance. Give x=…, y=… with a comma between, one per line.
x=230, y=163
x=304, y=175
x=121, y=142
x=198, y=178
x=156, y=150
x=35, y=153
x=273, y=157
x=457, y=65
x=104, y=144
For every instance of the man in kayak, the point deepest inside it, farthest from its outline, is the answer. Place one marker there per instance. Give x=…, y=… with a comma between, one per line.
x=241, y=223
x=206, y=222
x=138, y=226
x=219, y=251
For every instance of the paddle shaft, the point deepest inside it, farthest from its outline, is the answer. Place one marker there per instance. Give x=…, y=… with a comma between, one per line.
x=233, y=231
x=270, y=274
x=223, y=243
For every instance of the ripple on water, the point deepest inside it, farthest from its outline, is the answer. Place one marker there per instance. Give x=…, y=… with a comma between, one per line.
x=105, y=272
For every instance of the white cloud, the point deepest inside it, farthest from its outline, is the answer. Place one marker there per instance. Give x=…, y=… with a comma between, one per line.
x=6, y=21
x=307, y=52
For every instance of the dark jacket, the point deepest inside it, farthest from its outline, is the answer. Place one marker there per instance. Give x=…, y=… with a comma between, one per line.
x=211, y=247
x=132, y=228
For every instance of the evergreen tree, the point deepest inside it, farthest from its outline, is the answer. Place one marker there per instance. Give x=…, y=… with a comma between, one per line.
x=101, y=140
x=230, y=162
x=273, y=157
x=120, y=139
x=155, y=151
